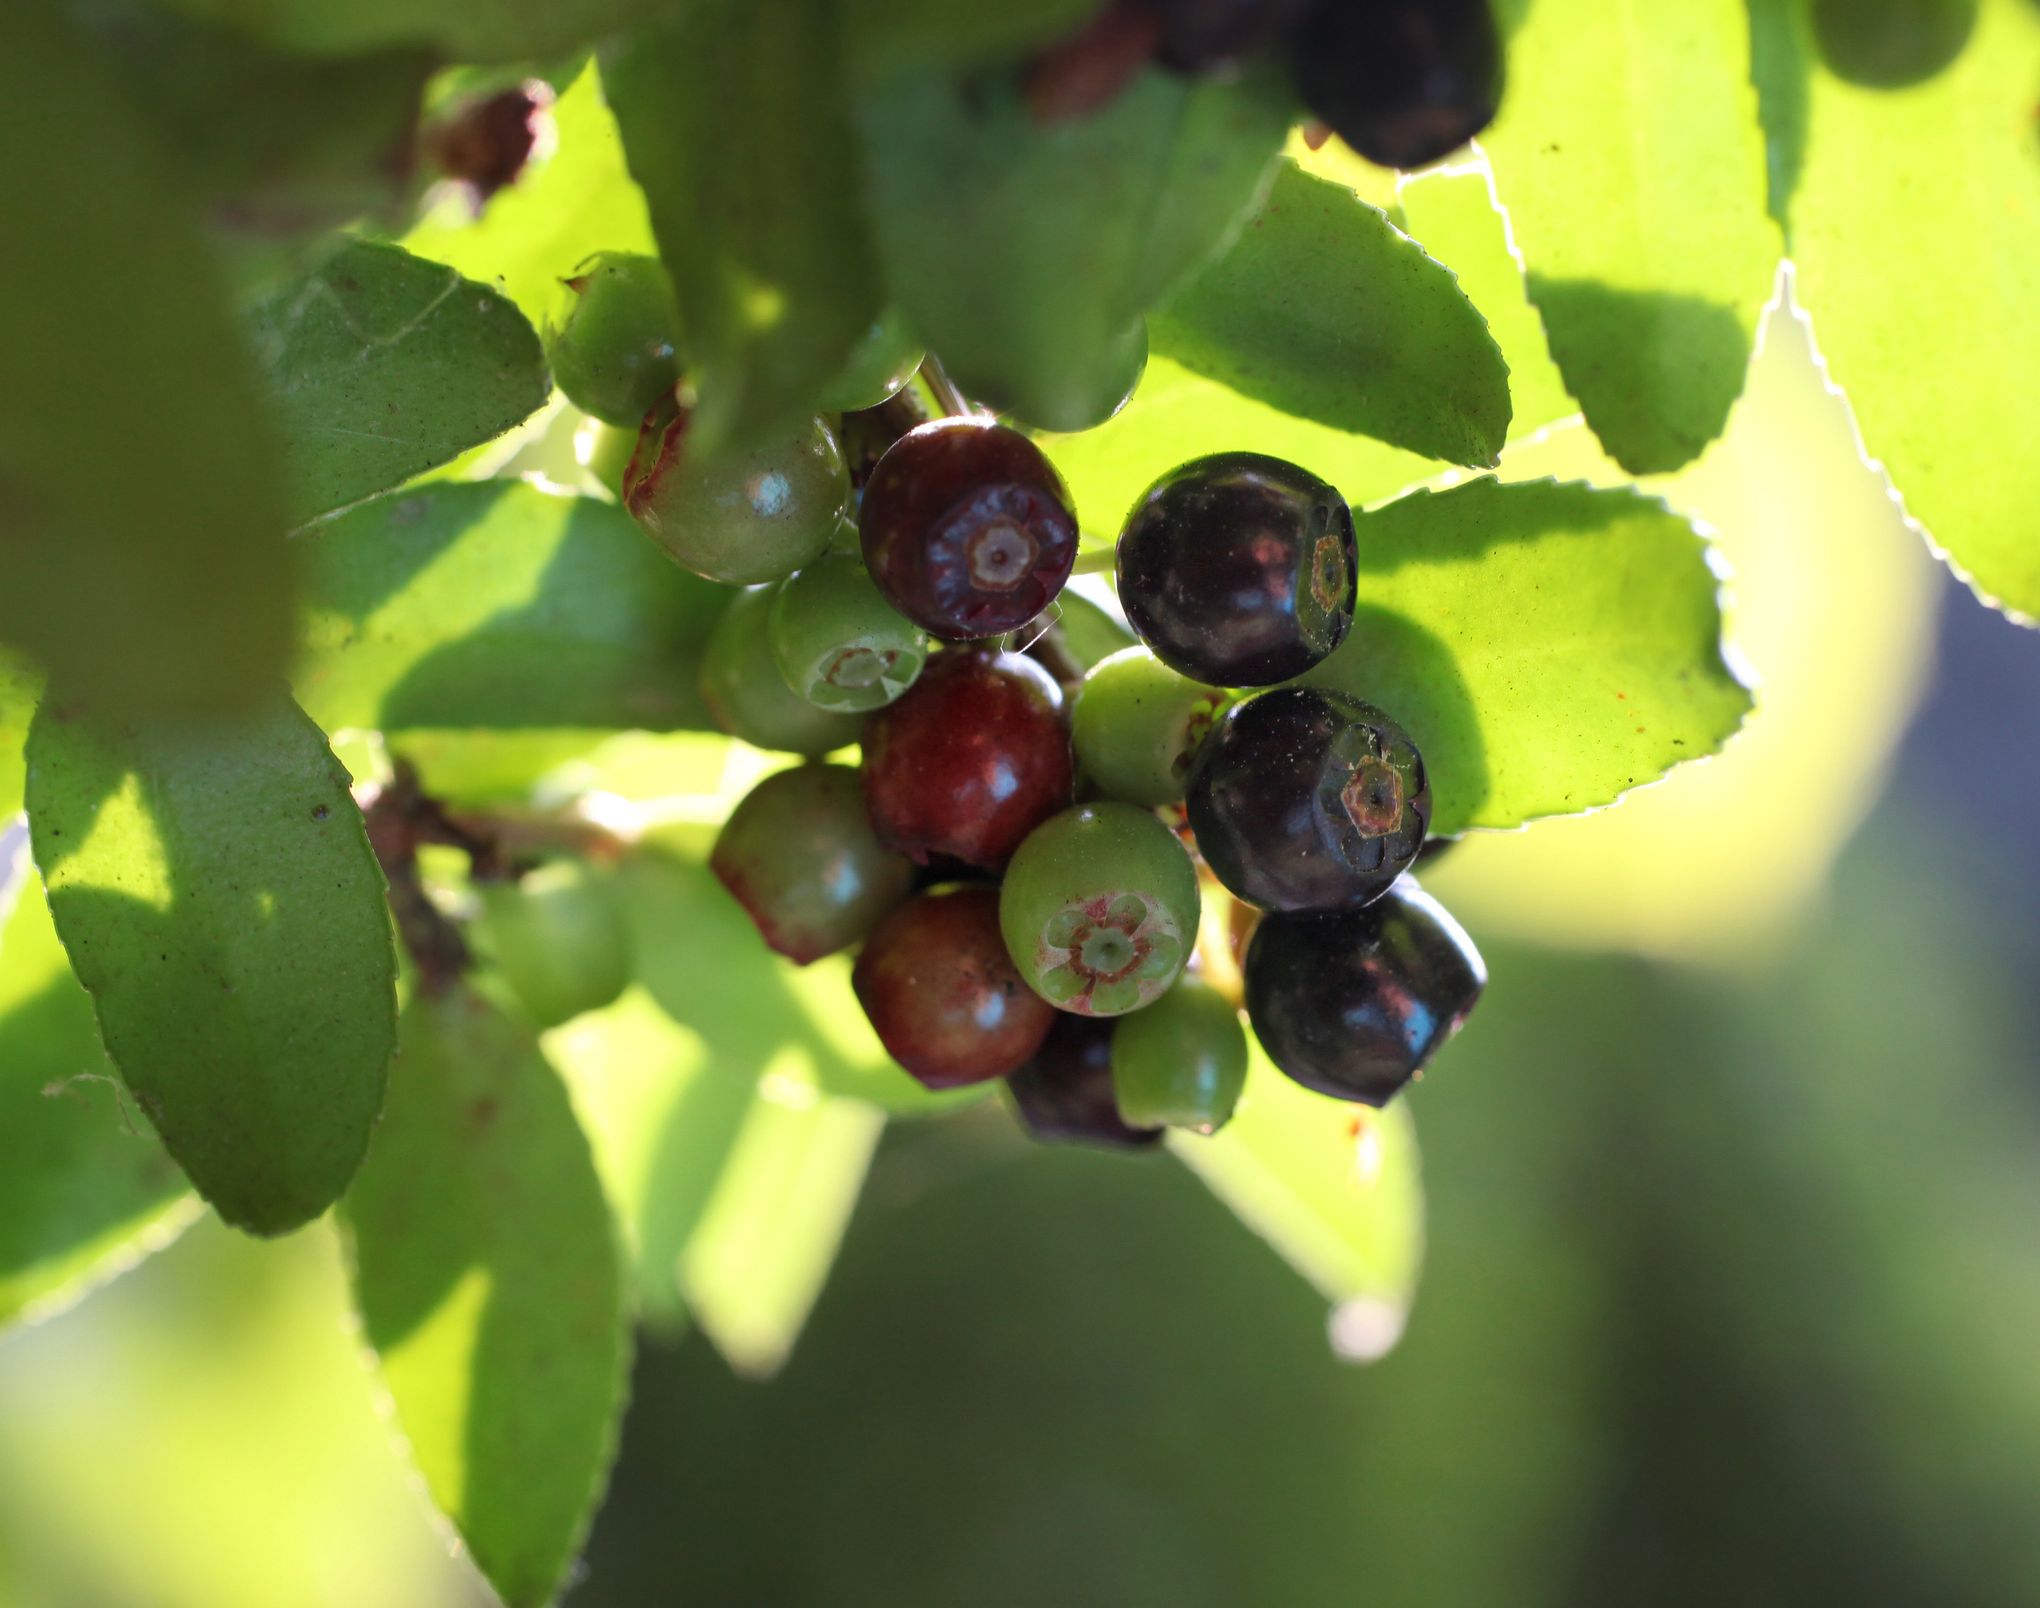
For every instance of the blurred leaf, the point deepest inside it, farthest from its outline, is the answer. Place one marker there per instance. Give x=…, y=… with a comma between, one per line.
x=529, y=237
x=461, y=30
x=701, y=959
x=1026, y=254
x=278, y=148
x=381, y=365
x=735, y=1191
x=1569, y=647
x=85, y=1190
x=490, y=1284
x=733, y=120
x=1322, y=308
x=497, y=604
x=19, y=689
x=1177, y=415
x=1630, y=160
x=886, y=35
x=1915, y=227
x=139, y=506
x=1333, y=1187
x=214, y=887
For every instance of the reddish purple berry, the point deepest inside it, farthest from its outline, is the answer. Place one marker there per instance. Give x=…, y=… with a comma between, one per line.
x=1065, y=1094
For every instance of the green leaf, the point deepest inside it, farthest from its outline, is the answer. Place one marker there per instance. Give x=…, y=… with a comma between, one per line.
x=138, y=493
x=1178, y=415
x=500, y=605
x=735, y=1191
x=85, y=1190
x=1323, y=309
x=701, y=959
x=19, y=688
x=1630, y=161
x=489, y=1281
x=214, y=887
x=763, y=233
x=1025, y=254
x=382, y=365
x=885, y=36
x=1335, y=1189
x=576, y=202
x=1915, y=226
x=462, y=30
x=1548, y=646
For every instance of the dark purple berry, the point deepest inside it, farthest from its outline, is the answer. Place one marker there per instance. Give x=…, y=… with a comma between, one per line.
x=943, y=995
x=1404, y=82
x=967, y=529
x=1238, y=570
x=1065, y=1094
x=970, y=759
x=1306, y=799
x=1355, y=1004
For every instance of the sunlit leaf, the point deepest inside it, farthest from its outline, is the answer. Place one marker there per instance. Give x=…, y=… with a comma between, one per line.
x=85, y=1189
x=490, y=1284
x=497, y=604
x=764, y=231
x=1630, y=160
x=214, y=888
x=1334, y=1188
x=382, y=365
x=1322, y=308
x=734, y=1190
x=1548, y=646
x=139, y=497
x=1915, y=224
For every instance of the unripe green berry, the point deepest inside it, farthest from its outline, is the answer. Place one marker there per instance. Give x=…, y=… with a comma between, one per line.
x=558, y=937
x=836, y=640
x=743, y=517
x=1137, y=725
x=749, y=699
x=1099, y=909
x=799, y=855
x=881, y=363
x=611, y=342
x=1182, y=1062
x=609, y=455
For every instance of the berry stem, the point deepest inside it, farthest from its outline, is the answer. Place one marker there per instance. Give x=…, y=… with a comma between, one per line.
x=946, y=390
x=1051, y=650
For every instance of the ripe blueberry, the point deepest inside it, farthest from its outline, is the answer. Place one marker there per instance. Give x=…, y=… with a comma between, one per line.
x=1355, y=1004
x=966, y=528
x=1404, y=82
x=970, y=760
x=942, y=994
x=1305, y=799
x=1239, y=570
x=1064, y=1095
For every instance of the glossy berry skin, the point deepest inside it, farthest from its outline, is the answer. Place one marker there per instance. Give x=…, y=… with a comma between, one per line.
x=883, y=361
x=970, y=760
x=942, y=994
x=1064, y=1095
x=558, y=938
x=750, y=516
x=1306, y=799
x=1182, y=1062
x=1238, y=570
x=966, y=528
x=1137, y=726
x=612, y=343
x=838, y=643
x=1404, y=82
x=799, y=855
x=749, y=699
x=1354, y=1005
x=1099, y=908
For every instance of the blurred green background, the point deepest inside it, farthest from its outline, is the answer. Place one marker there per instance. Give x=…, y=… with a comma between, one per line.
x=1733, y=1269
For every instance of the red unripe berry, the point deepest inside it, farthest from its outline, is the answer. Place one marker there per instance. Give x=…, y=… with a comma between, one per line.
x=942, y=993
x=970, y=759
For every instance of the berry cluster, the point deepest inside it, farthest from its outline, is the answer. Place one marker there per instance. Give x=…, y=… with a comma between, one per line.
x=1023, y=859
